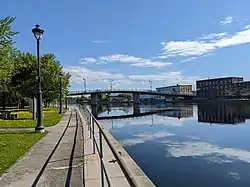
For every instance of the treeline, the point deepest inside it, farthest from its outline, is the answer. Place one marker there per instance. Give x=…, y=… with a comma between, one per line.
x=18, y=72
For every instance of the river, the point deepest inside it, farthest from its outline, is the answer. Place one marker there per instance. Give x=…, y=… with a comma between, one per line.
x=205, y=145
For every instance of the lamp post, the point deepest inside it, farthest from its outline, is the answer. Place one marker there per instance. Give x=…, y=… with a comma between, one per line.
x=38, y=33
x=60, y=77
x=85, y=84
x=150, y=82
x=111, y=84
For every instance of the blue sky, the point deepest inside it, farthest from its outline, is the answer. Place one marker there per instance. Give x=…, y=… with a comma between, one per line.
x=132, y=42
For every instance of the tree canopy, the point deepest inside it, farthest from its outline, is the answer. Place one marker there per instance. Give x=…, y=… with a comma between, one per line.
x=18, y=70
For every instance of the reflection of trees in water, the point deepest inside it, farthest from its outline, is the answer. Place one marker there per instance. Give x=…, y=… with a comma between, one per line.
x=223, y=113
x=110, y=107
x=101, y=108
x=179, y=112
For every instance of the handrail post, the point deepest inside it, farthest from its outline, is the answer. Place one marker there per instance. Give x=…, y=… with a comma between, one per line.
x=101, y=157
x=90, y=130
x=89, y=120
x=93, y=130
x=100, y=137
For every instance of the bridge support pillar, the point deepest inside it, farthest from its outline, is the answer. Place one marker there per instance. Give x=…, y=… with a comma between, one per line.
x=136, y=98
x=136, y=110
x=93, y=99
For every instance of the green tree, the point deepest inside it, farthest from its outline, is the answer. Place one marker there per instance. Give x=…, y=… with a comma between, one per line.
x=50, y=69
x=18, y=70
x=7, y=54
x=25, y=80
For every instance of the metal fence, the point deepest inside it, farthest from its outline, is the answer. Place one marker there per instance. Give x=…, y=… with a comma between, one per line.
x=95, y=126
x=126, y=90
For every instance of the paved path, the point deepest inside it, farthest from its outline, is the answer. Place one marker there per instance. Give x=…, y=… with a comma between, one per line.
x=56, y=160
x=64, y=157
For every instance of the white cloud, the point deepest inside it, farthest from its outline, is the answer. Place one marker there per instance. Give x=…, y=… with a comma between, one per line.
x=78, y=73
x=205, y=44
x=132, y=60
x=209, y=151
x=193, y=58
x=213, y=36
x=227, y=20
x=87, y=60
x=126, y=81
x=189, y=59
x=99, y=41
x=172, y=78
x=187, y=48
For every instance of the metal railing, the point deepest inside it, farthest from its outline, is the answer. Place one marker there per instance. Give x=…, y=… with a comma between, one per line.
x=93, y=127
x=127, y=90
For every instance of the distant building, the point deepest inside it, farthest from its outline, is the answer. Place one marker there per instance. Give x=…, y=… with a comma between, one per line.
x=176, y=89
x=219, y=87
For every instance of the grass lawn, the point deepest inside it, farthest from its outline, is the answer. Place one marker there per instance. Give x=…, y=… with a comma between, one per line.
x=51, y=117
x=15, y=144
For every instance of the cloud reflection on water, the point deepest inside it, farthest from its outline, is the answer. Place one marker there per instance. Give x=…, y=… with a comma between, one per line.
x=143, y=137
x=209, y=151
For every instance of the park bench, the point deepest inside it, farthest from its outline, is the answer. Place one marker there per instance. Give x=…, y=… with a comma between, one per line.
x=6, y=114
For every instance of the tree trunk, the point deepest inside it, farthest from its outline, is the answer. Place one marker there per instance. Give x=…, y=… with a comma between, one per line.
x=18, y=103
x=3, y=104
x=22, y=105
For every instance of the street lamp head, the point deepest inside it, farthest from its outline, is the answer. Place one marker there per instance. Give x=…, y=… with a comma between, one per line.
x=38, y=32
x=60, y=74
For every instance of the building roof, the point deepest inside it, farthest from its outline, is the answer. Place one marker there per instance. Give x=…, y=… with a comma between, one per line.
x=221, y=78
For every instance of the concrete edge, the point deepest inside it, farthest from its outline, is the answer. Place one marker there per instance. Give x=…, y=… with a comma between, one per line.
x=30, y=149
x=138, y=175
x=141, y=178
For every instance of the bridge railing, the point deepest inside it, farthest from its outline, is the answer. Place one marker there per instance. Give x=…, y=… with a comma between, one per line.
x=126, y=90
x=93, y=127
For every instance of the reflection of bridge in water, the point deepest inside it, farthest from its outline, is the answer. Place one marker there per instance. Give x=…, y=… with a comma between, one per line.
x=170, y=111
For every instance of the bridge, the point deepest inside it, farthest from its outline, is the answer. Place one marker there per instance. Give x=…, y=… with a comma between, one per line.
x=135, y=92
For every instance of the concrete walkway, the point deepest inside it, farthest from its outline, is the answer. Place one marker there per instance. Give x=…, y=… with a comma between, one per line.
x=56, y=160
x=64, y=157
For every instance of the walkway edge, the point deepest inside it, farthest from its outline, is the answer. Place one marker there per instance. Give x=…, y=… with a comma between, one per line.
x=12, y=169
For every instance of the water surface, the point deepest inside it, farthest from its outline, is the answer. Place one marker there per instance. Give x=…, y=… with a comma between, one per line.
x=190, y=145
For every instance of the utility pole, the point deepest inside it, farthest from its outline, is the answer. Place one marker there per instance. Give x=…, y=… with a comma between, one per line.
x=111, y=84
x=150, y=83
x=85, y=84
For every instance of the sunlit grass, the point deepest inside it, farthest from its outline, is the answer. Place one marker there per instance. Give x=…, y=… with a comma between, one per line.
x=51, y=118
x=15, y=144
